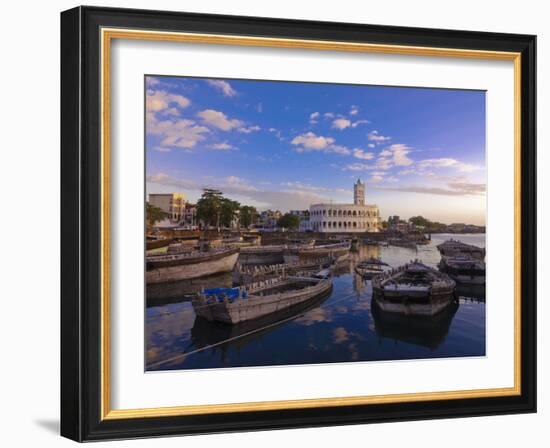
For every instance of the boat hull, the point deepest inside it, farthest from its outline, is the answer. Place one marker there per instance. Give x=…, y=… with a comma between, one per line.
x=262, y=255
x=224, y=263
x=255, y=306
x=337, y=254
x=463, y=275
x=414, y=303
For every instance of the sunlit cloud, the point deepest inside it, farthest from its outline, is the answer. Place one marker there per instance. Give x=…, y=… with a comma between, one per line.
x=159, y=100
x=311, y=142
x=181, y=133
x=223, y=146
x=219, y=120
x=341, y=123
x=361, y=154
x=223, y=86
x=452, y=189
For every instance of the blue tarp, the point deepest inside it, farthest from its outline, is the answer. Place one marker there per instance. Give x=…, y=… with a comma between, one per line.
x=219, y=293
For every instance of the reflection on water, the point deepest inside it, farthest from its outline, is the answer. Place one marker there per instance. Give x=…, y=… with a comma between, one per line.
x=340, y=327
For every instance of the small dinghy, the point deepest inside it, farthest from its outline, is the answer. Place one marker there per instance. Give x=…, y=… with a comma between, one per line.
x=371, y=267
x=413, y=289
x=234, y=305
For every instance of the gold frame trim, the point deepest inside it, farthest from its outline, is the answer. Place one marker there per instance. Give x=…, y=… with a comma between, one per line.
x=107, y=35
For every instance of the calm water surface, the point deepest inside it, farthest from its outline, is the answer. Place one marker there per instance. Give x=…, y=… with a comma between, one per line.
x=341, y=327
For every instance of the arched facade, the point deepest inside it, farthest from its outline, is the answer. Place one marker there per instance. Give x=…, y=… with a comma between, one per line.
x=344, y=218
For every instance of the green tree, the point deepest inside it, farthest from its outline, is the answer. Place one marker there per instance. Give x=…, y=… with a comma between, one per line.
x=289, y=221
x=229, y=211
x=420, y=221
x=209, y=207
x=247, y=215
x=154, y=214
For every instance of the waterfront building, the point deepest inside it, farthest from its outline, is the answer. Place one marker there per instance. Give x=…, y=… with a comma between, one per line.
x=356, y=217
x=304, y=219
x=189, y=215
x=268, y=219
x=171, y=203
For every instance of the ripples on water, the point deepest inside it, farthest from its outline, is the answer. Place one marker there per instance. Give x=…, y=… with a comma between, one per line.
x=341, y=327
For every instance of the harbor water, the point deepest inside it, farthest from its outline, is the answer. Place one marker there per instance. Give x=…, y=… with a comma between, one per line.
x=344, y=326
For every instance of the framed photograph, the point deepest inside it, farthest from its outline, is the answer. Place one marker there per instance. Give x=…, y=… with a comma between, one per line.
x=276, y=224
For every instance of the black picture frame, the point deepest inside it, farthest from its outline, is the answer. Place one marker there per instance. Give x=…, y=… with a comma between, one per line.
x=81, y=224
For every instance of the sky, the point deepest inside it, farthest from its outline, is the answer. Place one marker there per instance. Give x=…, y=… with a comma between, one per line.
x=286, y=145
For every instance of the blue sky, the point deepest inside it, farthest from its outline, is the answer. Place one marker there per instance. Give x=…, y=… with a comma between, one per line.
x=286, y=145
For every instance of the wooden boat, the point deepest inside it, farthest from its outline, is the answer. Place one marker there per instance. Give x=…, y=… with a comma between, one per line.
x=413, y=289
x=182, y=266
x=251, y=273
x=271, y=254
x=234, y=305
x=371, y=267
x=464, y=269
x=451, y=248
x=338, y=251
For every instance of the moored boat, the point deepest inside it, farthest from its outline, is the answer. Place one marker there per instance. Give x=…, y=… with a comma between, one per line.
x=338, y=251
x=234, y=305
x=371, y=267
x=270, y=254
x=188, y=265
x=251, y=273
x=464, y=269
x=451, y=248
x=413, y=289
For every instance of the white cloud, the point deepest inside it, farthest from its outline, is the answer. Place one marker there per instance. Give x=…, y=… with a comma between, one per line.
x=277, y=133
x=400, y=152
x=361, y=154
x=224, y=146
x=314, y=117
x=160, y=100
x=447, y=162
x=151, y=81
x=297, y=185
x=249, y=129
x=376, y=178
x=359, y=123
x=359, y=167
x=223, y=86
x=219, y=120
x=181, y=133
x=341, y=123
x=452, y=189
x=310, y=142
x=376, y=137
x=328, y=115
x=371, y=145
x=354, y=110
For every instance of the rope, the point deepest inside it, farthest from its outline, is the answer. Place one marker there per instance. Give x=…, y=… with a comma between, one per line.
x=248, y=333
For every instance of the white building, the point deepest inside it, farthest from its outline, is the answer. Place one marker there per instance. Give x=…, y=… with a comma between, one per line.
x=356, y=217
